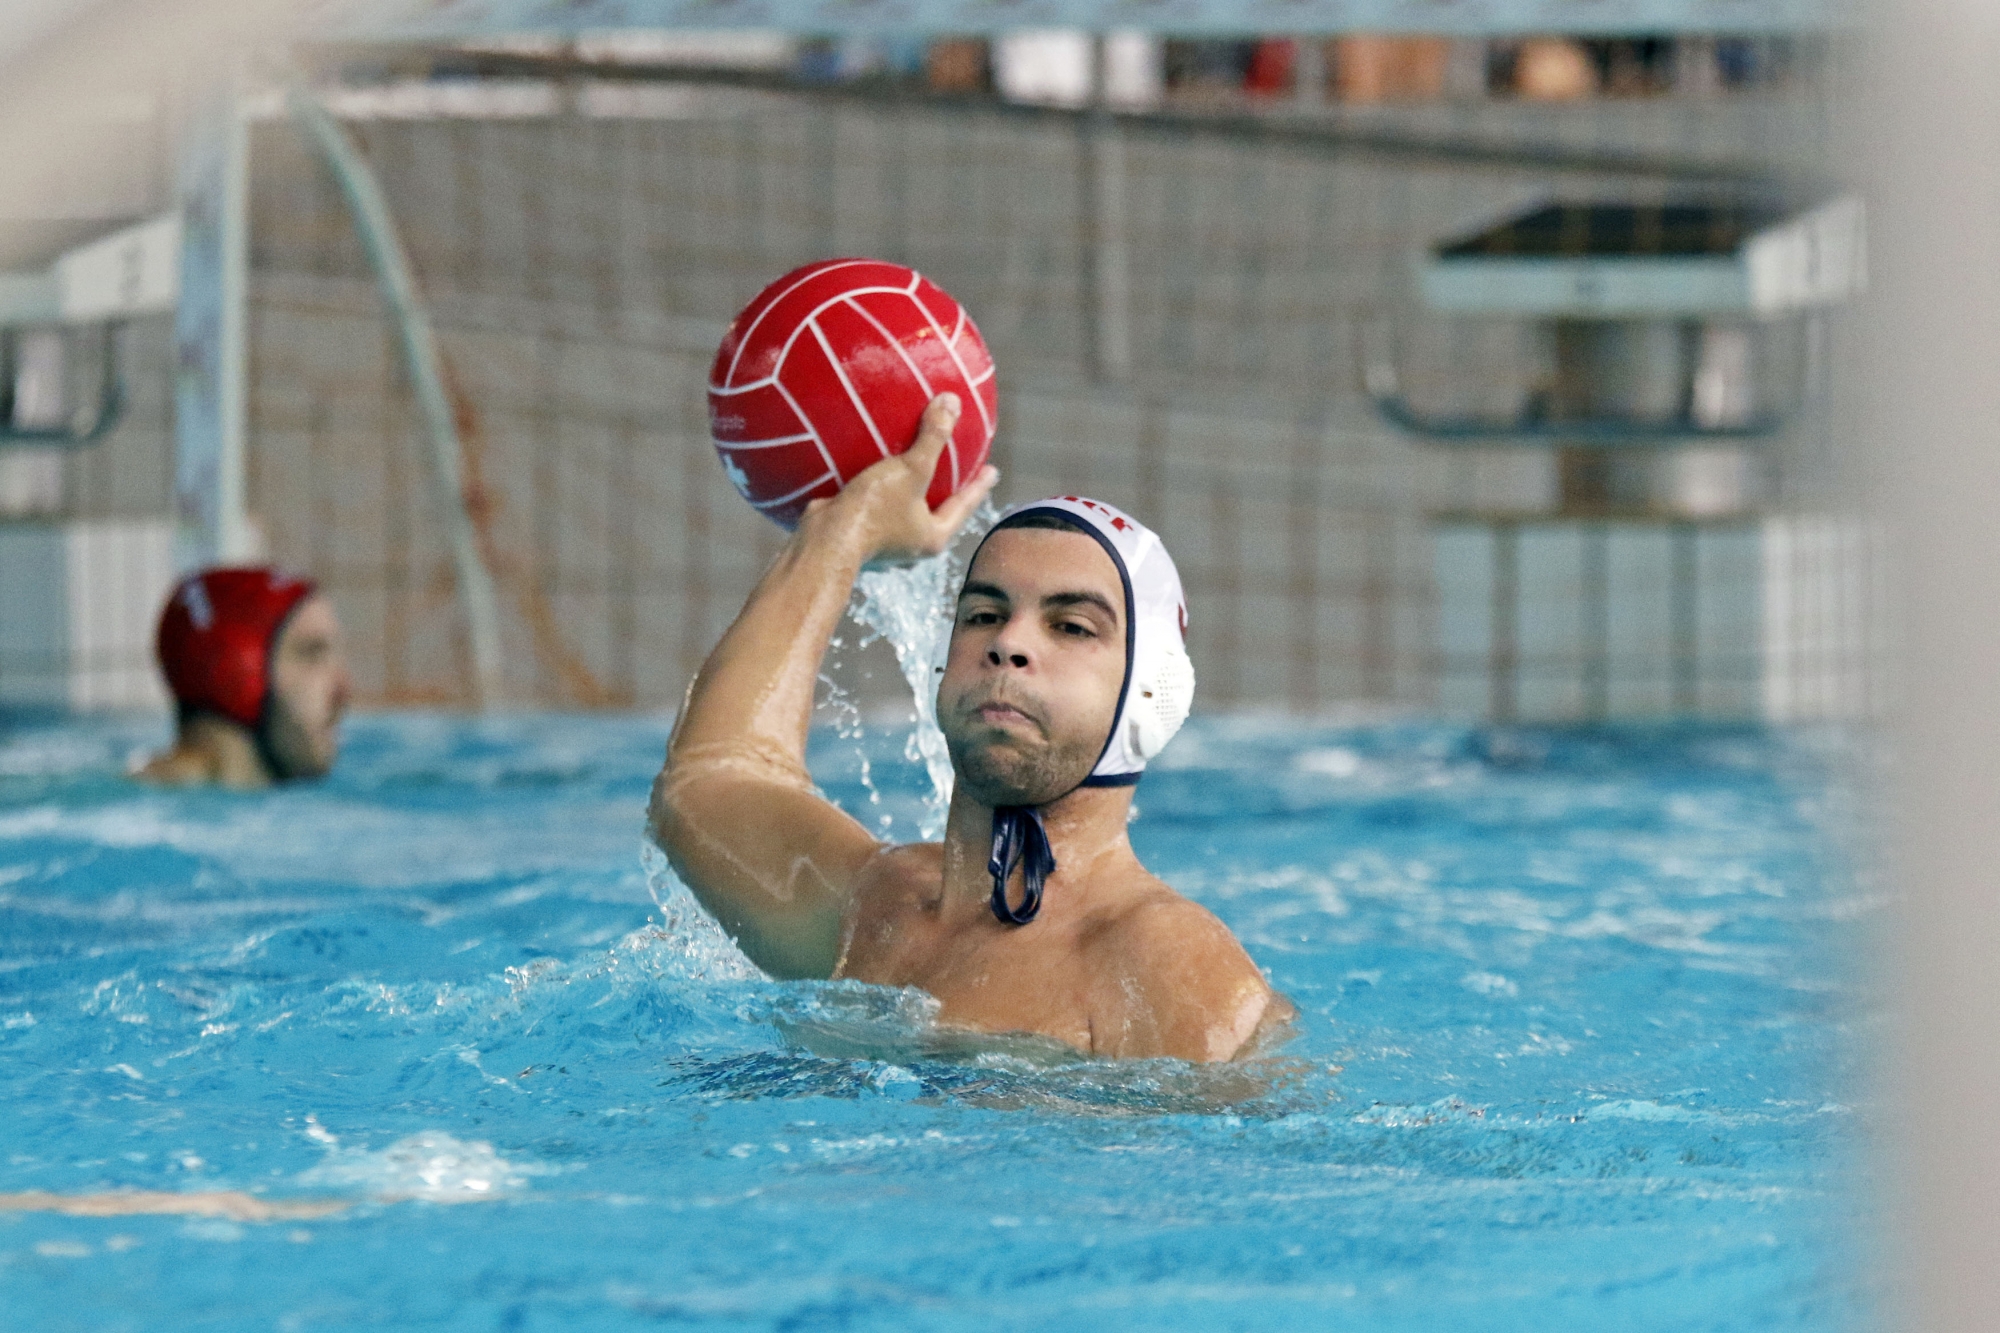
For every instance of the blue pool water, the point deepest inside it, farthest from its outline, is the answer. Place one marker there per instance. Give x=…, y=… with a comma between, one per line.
x=1579, y=1018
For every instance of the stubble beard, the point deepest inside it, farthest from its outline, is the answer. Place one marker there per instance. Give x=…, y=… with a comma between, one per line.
x=1010, y=771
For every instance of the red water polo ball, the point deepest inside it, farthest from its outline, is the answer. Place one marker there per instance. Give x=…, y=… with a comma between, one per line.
x=828, y=371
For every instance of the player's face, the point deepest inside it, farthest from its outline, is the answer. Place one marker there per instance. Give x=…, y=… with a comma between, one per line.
x=1037, y=659
x=309, y=691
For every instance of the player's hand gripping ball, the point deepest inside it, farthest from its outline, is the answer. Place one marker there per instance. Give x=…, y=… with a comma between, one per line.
x=829, y=370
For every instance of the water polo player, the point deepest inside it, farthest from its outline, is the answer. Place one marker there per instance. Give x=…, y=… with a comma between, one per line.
x=1066, y=673
x=254, y=660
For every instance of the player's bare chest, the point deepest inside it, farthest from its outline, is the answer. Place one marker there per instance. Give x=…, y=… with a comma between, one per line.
x=990, y=978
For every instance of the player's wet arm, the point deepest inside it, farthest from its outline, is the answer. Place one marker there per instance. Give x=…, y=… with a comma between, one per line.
x=734, y=807
x=771, y=859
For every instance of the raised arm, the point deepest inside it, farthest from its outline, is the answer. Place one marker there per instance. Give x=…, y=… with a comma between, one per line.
x=734, y=808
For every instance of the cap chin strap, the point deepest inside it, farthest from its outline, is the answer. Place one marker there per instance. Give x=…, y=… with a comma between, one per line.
x=261, y=733
x=260, y=736
x=1019, y=838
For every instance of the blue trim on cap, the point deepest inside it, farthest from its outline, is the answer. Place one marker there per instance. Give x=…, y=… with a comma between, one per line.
x=1112, y=780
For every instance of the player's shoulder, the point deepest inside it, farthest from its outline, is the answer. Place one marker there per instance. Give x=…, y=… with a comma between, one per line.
x=1157, y=923
x=173, y=767
x=1174, y=946
x=1187, y=987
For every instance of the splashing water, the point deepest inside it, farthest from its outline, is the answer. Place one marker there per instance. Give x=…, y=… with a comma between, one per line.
x=688, y=942
x=910, y=606
x=837, y=706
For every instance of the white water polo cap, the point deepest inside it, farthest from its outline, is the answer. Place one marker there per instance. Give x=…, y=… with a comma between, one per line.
x=1159, y=677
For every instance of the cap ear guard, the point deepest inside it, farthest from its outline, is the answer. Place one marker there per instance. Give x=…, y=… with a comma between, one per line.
x=1162, y=693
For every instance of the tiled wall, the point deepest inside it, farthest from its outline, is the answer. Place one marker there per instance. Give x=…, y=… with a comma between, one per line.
x=580, y=269
x=79, y=599
x=1570, y=619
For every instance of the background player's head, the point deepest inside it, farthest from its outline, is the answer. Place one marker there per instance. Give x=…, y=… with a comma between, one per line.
x=260, y=649
x=1067, y=666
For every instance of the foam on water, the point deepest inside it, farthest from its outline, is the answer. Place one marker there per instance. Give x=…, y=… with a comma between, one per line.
x=431, y=1166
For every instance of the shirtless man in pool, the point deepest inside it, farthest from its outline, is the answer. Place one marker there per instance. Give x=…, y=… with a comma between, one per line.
x=1033, y=915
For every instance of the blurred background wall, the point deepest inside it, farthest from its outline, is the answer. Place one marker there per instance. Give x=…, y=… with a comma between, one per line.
x=583, y=219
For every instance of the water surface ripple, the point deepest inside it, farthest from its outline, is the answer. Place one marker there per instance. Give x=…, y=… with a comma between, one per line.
x=1579, y=1018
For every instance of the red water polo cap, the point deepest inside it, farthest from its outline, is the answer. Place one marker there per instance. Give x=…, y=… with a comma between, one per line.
x=215, y=637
